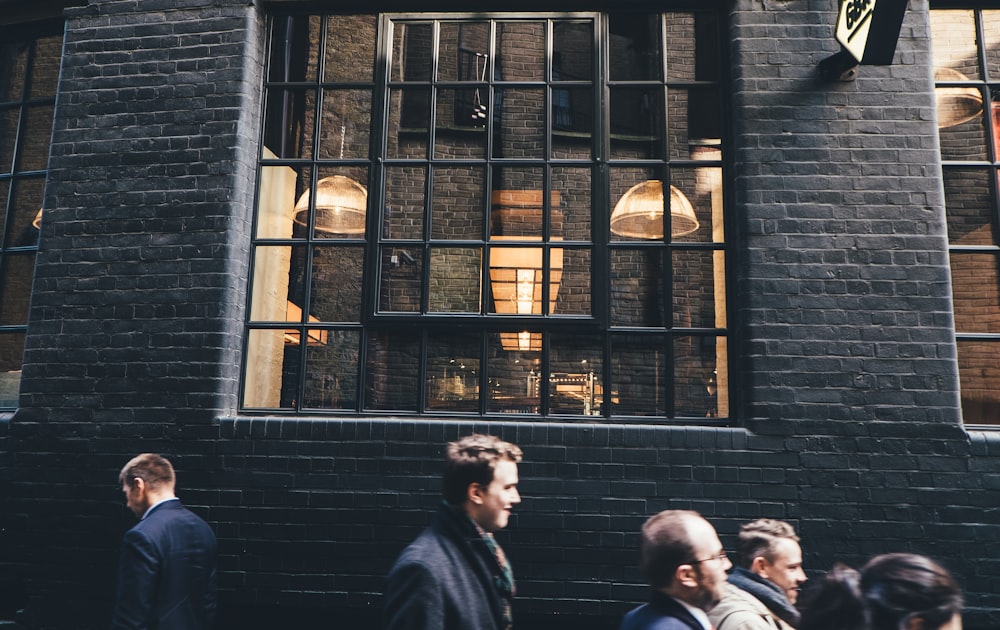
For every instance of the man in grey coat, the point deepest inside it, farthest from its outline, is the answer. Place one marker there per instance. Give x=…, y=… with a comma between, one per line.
x=455, y=576
x=763, y=587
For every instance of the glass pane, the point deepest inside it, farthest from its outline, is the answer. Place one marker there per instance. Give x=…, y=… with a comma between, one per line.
x=345, y=124
x=575, y=386
x=14, y=59
x=521, y=46
x=4, y=190
x=455, y=274
x=991, y=33
x=404, y=202
x=36, y=132
x=572, y=51
x=45, y=73
x=976, y=290
x=18, y=271
x=270, y=380
x=575, y=290
x=337, y=273
x=453, y=372
x=519, y=130
x=694, y=370
x=964, y=141
x=637, y=202
x=8, y=132
x=953, y=45
x=518, y=279
x=693, y=47
x=457, y=202
x=572, y=185
x=572, y=122
x=635, y=47
x=399, y=283
x=514, y=372
x=332, y=371
x=11, y=351
x=695, y=303
x=392, y=371
x=695, y=116
x=412, y=45
x=969, y=206
x=288, y=34
x=289, y=121
x=637, y=287
x=639, y=375
x=460, y=131
x=705, y=196
x=517, y=205
x=276, y=204
x=979, y=372
x=341, y=207
x=693, y=215
x=464, y=51
x=27, y=203
x=637, y=121
x=350, y=47
x=409, y=123
x=277, y=292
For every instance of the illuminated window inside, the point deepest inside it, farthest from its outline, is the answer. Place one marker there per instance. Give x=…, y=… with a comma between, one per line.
x=966, y=57
x=491, y=219
x=29, y=70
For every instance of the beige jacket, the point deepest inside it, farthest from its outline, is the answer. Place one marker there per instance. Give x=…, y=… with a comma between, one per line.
x=740, y=610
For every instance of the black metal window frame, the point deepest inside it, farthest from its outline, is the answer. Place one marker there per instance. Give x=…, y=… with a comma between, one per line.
x=598, y=321
x=987, y=83
x=19, y=232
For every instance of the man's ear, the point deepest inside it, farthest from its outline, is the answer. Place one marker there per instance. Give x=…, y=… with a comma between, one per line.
x=686, y=576
x=474, y=493
x=760, y=567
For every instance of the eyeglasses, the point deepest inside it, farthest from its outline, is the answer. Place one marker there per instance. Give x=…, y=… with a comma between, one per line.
x=722, y=555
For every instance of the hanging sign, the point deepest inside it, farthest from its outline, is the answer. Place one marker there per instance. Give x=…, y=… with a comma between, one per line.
x=869, y=29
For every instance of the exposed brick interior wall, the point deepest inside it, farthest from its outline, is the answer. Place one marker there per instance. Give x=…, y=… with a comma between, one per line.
x=845, y=387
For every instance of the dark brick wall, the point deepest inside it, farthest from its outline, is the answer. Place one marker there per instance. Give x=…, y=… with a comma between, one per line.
x=846, y=361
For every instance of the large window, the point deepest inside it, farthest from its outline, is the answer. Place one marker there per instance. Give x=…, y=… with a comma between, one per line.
x=491, y=214
x=966, y=56
x=29, y=69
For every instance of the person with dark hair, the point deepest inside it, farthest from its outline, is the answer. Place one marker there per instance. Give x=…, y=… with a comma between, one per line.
x=895, y=591
x=682, y=559
x=167, y=570
x=764, y=585
x=455, y=576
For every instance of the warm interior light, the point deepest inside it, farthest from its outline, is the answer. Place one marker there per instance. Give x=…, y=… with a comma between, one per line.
x=955, y=105
x=517, y=273
x=293, y=313
x=639, y=213
x=341, y=206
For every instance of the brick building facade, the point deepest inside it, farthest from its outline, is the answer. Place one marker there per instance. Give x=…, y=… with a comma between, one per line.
x=843, y=366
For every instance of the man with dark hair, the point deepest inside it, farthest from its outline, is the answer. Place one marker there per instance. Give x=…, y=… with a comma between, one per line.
x=764, y=586
x=166, y=575
x=682, y=559
x=455, y=576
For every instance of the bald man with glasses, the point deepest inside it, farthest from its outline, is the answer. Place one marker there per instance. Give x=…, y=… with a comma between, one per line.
x=683, y=561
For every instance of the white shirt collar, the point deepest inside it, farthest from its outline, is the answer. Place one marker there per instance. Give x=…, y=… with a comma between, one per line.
x=697, y=613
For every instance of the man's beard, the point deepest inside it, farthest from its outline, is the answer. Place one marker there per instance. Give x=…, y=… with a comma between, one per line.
x=706, y=598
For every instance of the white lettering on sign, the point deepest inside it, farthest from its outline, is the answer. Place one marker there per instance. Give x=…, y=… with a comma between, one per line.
x=853, y=24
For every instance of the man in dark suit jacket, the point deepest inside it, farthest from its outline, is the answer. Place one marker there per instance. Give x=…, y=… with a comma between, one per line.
x=166, y=575
x=682, y=559
x=455, y=576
